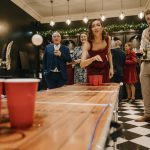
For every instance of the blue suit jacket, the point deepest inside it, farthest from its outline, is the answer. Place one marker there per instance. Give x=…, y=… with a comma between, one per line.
x=49, y=60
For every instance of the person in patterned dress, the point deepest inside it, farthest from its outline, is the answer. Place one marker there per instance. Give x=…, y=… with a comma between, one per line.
x=80, y=75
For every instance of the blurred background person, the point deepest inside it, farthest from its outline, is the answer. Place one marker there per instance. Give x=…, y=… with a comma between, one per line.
x=80, y=74
x=55, y=61
x=145, y=70
x=130, y=73
x=118, y=56
x=96, y=54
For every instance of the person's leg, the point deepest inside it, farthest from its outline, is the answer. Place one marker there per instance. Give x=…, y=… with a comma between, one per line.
x=132, y=91
x=145, y=86
x=128, y=91
x=60, y=80
x=51, y=81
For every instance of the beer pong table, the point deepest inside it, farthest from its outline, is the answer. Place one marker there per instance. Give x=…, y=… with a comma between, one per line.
x=73, y=117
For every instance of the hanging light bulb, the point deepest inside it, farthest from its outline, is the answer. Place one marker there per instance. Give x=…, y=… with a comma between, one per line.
x=122, y=16
x=52, y=23
x=68, y=21
x=103, y=18
x=85, y=19
x=141, y=14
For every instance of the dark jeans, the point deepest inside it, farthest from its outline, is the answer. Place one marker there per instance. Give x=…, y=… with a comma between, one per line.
x=117, y=78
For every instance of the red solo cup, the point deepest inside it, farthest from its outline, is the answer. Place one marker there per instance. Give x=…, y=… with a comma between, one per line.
x=95, y=80
x=1, y=88
x=21, y=95
x=90, y=79
x=100, y=79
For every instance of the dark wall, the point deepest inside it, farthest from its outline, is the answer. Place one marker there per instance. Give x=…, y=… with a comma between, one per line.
x=14, y=16
x=17, y=25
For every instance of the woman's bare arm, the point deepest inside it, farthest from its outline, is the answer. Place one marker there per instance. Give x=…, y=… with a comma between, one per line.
x=109, y=55
x=85, y=61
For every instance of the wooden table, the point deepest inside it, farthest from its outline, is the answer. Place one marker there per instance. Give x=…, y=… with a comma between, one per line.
x=74, y=117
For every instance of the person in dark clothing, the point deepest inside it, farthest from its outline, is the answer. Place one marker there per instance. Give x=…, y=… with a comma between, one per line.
x=118, y=56
x=54, y=62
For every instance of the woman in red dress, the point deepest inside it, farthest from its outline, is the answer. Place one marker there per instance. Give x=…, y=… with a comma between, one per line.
x=96, y=55
x=130, y=73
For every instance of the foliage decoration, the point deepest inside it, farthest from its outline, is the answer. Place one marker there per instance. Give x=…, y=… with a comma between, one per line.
x=109, y=28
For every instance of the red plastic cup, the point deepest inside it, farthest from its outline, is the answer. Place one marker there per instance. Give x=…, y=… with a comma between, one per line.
x=100, y=79
x=1, y=88
x=21, y=101
x=90, y=79
x=95, y=80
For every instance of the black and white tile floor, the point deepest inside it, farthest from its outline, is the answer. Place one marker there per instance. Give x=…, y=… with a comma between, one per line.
x=136, y=135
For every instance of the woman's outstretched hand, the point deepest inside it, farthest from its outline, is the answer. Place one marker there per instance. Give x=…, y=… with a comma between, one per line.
x=97, y=58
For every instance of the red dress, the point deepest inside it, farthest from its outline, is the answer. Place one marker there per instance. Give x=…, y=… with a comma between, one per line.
x=130, y=73
x=98, y=67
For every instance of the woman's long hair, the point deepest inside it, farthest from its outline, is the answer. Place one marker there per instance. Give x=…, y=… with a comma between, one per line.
x=91, y=36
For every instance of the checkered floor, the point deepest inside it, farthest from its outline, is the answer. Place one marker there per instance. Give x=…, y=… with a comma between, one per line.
x=136, y=135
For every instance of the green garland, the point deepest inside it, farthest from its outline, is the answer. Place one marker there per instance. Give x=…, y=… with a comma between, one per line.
x=126, y=27
x=109, y=28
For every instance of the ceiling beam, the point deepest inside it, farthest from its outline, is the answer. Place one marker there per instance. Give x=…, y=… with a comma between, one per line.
x=128, y=12
x=147, y=5
x=108, y=14
x=24, y=6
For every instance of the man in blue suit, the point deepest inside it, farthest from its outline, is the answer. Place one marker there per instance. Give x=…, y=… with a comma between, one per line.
x=54, y=62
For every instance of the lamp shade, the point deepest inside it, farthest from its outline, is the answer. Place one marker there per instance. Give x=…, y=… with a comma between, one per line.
x=37, y=39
